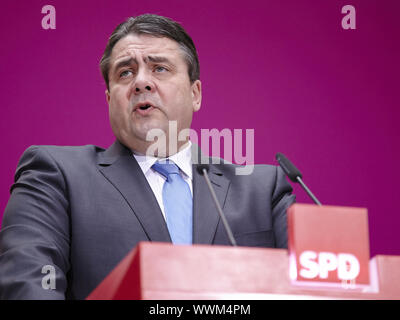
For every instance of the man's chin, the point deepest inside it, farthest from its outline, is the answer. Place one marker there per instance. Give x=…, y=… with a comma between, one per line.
x=150, y=131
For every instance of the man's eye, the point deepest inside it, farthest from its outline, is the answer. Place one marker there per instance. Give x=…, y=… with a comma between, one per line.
x=160, y=69
x=125, y=73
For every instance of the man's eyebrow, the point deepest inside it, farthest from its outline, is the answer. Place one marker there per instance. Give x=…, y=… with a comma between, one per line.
x=124, y=63
x=129, y=61
x=157, y=59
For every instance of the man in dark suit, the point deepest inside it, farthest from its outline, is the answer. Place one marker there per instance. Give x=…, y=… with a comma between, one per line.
x=77, y=211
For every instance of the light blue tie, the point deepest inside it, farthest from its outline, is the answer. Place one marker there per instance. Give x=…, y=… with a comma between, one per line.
x=178, y=204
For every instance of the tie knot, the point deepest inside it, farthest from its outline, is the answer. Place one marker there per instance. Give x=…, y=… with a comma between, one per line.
x=166, y=168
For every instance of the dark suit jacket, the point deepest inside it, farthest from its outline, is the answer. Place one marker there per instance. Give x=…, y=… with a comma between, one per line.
x=82, y=209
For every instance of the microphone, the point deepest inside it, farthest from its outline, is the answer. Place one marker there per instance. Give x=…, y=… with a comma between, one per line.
x=294, y=174
x=203, y=170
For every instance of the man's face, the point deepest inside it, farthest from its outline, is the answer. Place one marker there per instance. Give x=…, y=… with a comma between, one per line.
x=149, y=86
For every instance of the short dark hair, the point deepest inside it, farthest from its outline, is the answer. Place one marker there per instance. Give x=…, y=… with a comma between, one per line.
x=157, y=26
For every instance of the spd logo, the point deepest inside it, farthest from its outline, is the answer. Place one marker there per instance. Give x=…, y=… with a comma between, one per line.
x=313, y=265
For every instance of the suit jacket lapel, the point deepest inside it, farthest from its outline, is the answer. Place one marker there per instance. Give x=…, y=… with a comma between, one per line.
x=120, y=167
x=205, y=214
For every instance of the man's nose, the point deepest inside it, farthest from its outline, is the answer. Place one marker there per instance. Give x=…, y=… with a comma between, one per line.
x=143, y=83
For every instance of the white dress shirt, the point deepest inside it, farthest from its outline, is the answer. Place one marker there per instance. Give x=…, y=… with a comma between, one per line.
x=183, y=159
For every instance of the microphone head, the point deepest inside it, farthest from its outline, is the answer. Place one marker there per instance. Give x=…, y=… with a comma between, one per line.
x=291, y=171
x=200, y=168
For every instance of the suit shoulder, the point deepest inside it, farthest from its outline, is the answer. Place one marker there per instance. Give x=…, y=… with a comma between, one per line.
x=39, y=156
x=63, y=151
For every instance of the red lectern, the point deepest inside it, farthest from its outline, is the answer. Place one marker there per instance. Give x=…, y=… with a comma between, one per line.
x=166, y=271
x=329, y=246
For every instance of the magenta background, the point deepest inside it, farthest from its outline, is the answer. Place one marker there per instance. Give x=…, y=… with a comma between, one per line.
x=324, y=96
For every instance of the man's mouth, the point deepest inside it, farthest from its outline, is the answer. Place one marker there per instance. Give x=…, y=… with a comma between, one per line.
x=143, y=108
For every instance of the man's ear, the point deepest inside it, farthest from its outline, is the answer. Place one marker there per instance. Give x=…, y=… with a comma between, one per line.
x=107, y=96
x=196, y=95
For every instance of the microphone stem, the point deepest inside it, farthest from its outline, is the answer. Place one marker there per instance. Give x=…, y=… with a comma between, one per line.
x=221, y=214
x=308, y=191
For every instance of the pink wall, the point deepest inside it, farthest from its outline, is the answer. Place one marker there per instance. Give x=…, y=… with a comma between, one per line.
x=324, y=96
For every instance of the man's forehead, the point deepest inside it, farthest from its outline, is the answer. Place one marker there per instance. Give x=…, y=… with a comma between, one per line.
x=145, y=44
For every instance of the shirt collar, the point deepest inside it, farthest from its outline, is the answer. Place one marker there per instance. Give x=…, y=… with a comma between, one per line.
x=183, y=159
